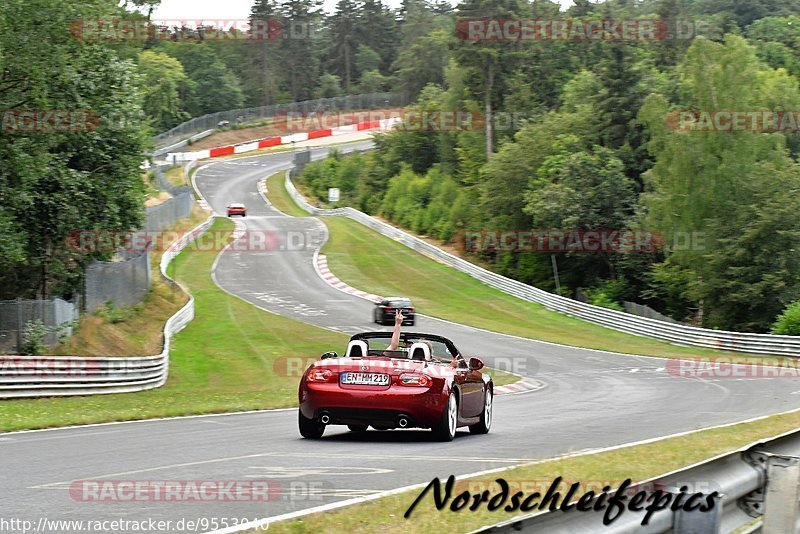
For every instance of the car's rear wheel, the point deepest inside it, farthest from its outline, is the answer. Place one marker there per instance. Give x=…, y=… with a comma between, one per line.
x=445, y=430
x=309, y=428
x=483, y=426
x=358, y=428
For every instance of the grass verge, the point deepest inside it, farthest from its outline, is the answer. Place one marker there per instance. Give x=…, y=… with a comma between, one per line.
x=374, y=263
x=279, y=197
x=593, y=471
x=175, y=176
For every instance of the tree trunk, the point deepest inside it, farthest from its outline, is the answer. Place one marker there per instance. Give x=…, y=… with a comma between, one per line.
x=347, y=74
x=487, y=109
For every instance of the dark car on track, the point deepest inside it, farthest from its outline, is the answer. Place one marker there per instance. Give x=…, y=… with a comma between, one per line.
x=411, y=387
x=237, y=209
x=385, y=309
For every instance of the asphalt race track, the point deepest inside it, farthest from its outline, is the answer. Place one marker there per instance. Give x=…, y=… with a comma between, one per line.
x=590, y=400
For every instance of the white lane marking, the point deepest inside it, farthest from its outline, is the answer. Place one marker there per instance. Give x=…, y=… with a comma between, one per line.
x=138, y=421
x=420, y=458
x=161, y=468
x=328, y=492
x=295, y=472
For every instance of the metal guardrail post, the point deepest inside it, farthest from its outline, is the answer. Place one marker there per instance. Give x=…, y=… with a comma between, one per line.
x=782, y=494
x=697, y=522
x=19, y=325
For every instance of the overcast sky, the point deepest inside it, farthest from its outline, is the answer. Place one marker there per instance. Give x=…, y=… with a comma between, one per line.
x=232, y=9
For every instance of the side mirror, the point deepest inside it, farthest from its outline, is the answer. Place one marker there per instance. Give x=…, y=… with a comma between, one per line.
x=327, y=355
x=475, y=364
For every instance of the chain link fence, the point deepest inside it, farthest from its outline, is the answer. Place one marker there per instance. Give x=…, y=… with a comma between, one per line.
x=16, y=314
x=168, y=213
x=646, y=311
x=164, y=184
x=126, y=282
x=123, y=283
x=248, y=115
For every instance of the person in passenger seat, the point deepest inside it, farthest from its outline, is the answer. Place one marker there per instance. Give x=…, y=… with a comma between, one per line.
x=395, y=341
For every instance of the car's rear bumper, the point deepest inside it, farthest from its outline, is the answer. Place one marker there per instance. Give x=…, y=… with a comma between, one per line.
x=407, y=317
x=423, y=407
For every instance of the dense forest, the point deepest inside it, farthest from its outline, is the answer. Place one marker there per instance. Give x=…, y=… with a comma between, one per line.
x=592, y=145
x=599, y=150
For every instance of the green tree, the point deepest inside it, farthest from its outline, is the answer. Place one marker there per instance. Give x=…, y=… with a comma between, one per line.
x=299, y=54
x=262, y=76
x=578, y=190
x=53, y=183
x=373, y=82
x=367, y=59
x=211, y=86
x=788, y=323
x=488, y=61
x=343, y=59
x=731, y=188
x=377, y=29
x=329, y=86
x=162, y=78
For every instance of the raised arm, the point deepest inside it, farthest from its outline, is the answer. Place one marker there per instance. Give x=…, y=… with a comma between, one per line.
x=398, y=321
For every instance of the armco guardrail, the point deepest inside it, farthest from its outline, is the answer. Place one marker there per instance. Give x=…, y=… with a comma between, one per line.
x=624, y=322
x=181, y=144
x=758, y=485
x=43, y=376
x=248, y=115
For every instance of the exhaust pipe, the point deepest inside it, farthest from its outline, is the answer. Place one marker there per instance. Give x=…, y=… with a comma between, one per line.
x=325, y=419
x=402, y=422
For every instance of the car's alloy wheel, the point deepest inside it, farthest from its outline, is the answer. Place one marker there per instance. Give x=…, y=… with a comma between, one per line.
x=483, y=426
x=309, y=428
x=446, y=429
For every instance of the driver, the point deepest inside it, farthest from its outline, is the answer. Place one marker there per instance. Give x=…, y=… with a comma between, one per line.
x=395, y=342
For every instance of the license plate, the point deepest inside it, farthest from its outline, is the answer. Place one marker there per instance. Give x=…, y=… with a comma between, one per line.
x=365, y=379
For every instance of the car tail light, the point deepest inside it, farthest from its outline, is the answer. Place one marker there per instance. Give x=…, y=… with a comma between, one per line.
x=320, y=375
x=388, y=309
x=415, y=379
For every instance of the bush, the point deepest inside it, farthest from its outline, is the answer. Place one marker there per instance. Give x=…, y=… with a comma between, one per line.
x=788, y=323
x=33, y=338
x=118, y=315
x=601, y=298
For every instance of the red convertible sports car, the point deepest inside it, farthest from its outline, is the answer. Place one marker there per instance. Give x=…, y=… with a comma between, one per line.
x=425, y=383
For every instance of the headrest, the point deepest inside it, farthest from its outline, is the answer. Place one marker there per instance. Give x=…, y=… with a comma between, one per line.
x=420, y=352
x=356, y=349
